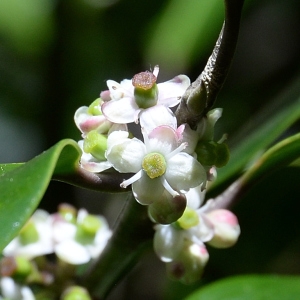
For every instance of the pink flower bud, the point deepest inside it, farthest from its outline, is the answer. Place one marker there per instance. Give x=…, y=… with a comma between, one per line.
x=226, y=228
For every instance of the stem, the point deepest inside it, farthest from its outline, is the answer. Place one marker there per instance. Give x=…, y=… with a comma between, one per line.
x=132, y=235
x=104, y=182
x=202, y=93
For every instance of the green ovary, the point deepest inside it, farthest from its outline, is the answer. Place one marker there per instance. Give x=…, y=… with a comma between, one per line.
x=154, y=165
x=95, y=144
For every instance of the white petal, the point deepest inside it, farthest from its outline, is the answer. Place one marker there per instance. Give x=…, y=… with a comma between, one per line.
x=86, y=122
x=170, y=92
x=116, y=136
x=184, y=172
x=63, y=230
x=204, y=231
x=72, y=252
x=120, y=111
x=162, y=139
x=186, y=134
x=167, y=242
x=195, y=197
x=147, y=190
x=156, y=116
x=127, y=155
x=118, y=91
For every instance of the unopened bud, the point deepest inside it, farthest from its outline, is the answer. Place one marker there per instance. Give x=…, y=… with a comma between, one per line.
x=189, y=265
x=75, y=293
x=226, y=228
x=67, y=212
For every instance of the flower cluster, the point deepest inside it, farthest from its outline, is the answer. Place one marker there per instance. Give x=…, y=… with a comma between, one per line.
x=74, y=236
x=57, y=233
x=171, y=165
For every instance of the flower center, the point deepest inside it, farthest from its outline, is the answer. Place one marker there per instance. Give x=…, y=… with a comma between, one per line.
x=144, y=80
x=145, y=89
x=154, y=165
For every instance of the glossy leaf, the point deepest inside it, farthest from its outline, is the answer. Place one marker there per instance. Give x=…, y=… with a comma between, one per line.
x=282, y=154
x=22, y=186
x=269, y=124
x=249, y=287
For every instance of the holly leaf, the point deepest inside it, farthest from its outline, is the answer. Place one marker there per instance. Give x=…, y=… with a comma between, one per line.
x=23, y=185
x=249, y=287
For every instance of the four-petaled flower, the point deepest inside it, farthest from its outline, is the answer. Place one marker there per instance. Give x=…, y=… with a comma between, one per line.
x=159, y=163
x=131, y=97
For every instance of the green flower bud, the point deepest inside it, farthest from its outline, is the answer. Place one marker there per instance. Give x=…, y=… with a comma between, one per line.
x=75, y=293
x=87, y=229
x=95, y=144
x=145, y=91
x=223, y=155
x=68, y=212
x=17, y=267
x=210, y=153
x=95, y=108
x=167, y=209
x=28, y=234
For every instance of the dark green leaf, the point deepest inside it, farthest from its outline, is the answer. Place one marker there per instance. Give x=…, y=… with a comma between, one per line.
x=22, y=186
x=250, y=287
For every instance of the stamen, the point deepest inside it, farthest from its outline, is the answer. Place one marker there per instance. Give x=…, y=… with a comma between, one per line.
x=168, y=187
x=131, y=180
x=155, y=71
x=177, y=150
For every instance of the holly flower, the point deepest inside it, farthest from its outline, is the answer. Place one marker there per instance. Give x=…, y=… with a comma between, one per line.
x=34, y=239
x=132, y=97
x=182, y=244
x=80, y=241
x=159, y=163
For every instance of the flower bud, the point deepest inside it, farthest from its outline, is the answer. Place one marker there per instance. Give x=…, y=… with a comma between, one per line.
x=210, y=153
x=226, y=228
x=75, y=293
x=67, y=212
x=167, y=209
x=188, y=266
x=17, y=267
x=95, y=108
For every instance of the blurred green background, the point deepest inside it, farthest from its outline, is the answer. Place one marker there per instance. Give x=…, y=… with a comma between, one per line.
x=56, y=56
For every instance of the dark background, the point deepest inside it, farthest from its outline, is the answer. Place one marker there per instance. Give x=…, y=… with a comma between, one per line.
x=56, y=56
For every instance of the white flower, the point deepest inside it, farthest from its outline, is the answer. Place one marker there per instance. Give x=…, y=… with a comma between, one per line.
x=92, y=164
x=79, y=243
x=131, y=97
x=87, y=122
x=13, y=291
x=35, y=238
x=159, y=163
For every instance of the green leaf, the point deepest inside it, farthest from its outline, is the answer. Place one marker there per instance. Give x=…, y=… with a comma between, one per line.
x=5, y=168
x=249, y=287
x=282, y=154
x=269, y=124
x=22, y=186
